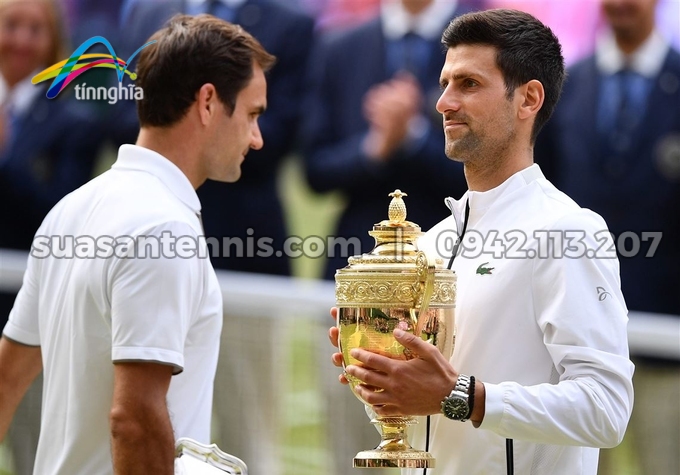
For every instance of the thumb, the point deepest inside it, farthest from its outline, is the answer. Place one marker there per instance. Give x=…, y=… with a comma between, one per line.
x=416, y=344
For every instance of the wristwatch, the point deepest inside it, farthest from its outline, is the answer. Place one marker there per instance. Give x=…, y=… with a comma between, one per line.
x=459, y=404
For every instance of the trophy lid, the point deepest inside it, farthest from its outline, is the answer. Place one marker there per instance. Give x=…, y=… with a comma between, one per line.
x=395, y=228
x=394, y=272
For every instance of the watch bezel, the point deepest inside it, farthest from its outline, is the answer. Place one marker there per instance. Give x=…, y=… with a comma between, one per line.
x=456, y=406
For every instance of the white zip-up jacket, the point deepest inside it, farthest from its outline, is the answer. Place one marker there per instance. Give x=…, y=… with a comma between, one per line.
x=541, y=321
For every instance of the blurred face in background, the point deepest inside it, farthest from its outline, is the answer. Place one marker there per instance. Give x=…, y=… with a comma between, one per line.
x=630, y=19
x=28, y=38
x=415, y=7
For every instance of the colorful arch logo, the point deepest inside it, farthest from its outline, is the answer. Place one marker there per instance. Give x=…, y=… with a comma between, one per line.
x=64, y=72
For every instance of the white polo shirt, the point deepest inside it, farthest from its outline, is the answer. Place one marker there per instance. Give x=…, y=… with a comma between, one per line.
x=546, y=334
x=87, y=312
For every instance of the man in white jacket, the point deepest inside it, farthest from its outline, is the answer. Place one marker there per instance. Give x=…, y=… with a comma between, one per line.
x=540, y=368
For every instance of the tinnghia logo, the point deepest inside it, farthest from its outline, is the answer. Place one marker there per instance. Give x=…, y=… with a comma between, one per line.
x=64, y=72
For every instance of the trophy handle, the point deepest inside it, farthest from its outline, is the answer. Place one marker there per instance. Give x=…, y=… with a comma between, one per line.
x=210, y=455
x=426, y=269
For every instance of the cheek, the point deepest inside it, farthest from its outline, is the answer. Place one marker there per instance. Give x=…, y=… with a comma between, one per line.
x=42, y=50
x=7, y=42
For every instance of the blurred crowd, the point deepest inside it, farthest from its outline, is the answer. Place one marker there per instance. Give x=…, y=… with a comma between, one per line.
x=352, y=95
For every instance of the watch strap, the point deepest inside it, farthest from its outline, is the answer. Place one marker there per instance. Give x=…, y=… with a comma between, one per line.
x=463, y=386
x=471, y=397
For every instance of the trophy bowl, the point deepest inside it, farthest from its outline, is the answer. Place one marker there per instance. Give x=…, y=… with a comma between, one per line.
x=396, y=285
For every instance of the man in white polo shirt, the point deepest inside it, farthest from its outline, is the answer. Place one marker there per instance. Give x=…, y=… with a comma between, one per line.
x=127, y=329
x=540, y=367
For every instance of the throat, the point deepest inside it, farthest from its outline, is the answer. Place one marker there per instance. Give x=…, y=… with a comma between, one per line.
x=485, y=177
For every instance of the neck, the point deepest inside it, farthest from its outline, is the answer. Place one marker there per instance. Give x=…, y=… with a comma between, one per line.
x=171, y=142
x=487, y=176
x=11, y=80
x=629, y=41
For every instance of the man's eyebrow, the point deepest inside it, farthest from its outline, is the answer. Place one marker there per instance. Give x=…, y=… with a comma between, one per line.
x=260, y=110
x=464, y=75
x=456, y=76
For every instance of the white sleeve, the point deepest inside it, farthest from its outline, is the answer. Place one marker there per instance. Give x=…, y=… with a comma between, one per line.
x=23, y=323
x=153, y=301
x=584, y=331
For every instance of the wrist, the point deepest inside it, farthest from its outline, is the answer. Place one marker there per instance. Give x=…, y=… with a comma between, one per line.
x=477, y=415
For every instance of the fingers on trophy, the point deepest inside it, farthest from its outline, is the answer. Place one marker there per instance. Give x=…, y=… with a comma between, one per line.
x=396, y=285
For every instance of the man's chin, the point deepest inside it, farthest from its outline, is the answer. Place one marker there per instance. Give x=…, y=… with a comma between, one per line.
x=227, y=177
x=456, y=154
x=457, y=158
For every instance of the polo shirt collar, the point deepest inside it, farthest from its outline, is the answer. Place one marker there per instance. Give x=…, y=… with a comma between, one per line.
x=136, y=158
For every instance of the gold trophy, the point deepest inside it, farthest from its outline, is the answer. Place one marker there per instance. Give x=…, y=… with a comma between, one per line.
x=394, y=286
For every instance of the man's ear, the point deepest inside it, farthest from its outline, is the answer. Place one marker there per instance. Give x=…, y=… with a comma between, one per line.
x=532, y=96
x=207, y=101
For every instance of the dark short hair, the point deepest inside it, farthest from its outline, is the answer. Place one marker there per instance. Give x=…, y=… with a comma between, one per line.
x=527, y=49
x=192, y=51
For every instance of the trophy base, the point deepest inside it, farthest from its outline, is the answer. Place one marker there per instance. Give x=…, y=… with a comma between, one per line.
x=377, y=458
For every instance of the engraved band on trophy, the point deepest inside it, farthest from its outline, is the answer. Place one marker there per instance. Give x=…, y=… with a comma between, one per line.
x=396, y=285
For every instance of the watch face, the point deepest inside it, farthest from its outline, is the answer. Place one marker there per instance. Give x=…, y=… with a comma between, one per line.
x=455, y=407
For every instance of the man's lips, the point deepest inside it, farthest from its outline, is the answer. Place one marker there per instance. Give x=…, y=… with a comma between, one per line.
x=452, y=124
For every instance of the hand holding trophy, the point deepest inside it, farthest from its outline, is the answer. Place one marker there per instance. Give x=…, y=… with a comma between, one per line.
x=394, y=286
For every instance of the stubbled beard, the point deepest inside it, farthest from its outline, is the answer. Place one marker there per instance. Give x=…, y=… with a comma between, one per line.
x=475, y=150
x=462, y=149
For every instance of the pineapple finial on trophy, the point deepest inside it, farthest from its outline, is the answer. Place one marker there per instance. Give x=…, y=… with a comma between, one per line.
x=397, y=210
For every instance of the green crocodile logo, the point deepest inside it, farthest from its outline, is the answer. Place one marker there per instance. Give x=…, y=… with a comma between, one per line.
x=481, y=270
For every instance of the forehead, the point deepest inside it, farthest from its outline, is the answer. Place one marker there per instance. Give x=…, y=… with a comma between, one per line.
x=26, y=8
x=466, y=60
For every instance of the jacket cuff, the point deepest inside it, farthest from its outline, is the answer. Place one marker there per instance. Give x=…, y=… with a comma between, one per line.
x=494, y=407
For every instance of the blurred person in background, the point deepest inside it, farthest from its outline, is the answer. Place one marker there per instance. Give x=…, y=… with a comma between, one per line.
x=342, y=14
x=88, y=18
x=338, y=14
x=370, y=122
x=575, y=22
x=47, y=149
x=614, y=145
x=249, y=209
x=46, y=146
